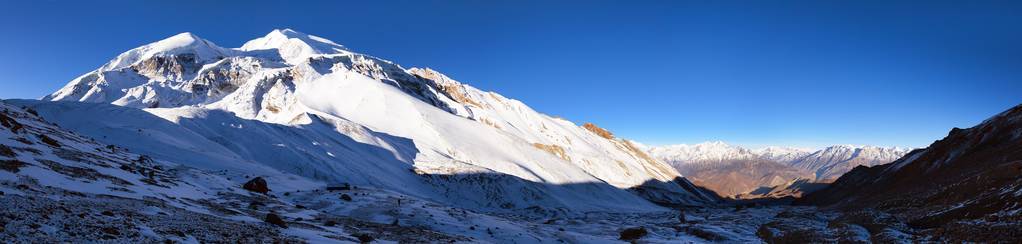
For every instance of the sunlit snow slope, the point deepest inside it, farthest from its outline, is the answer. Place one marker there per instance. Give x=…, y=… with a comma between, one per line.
x=306, y=105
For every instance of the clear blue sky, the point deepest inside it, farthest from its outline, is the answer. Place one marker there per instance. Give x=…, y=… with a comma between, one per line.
x=804, y=73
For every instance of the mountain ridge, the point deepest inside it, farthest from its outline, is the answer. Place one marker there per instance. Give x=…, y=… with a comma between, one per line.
x=293, y=79
x=963, y=188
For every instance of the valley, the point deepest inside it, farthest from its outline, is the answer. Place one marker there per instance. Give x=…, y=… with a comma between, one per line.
x=738, y=172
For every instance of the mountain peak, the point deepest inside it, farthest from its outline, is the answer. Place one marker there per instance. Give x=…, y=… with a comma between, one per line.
x=183, y=43
x=285, y=31
x=289, y=33
x=717, y=143
x=293, y=45
x=183, y=37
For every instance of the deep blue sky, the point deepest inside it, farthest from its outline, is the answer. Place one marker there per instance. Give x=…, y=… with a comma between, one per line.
x=803, y=73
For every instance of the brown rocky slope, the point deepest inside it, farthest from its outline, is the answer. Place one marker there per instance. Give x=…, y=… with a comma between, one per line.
x=965, y=187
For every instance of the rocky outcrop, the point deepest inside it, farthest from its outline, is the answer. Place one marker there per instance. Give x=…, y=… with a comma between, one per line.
x=598, y=131
x=552, y=149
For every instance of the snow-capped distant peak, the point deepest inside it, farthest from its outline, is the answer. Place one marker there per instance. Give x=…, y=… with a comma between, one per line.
x=782, y=150
x=294, y=46
x=713, y=151
x=184, y=43
x=783, y=154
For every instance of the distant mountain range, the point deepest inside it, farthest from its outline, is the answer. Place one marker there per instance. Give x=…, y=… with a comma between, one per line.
x=737, y=171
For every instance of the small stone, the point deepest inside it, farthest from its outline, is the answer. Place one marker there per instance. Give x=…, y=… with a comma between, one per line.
x=364, y=238
x=275, y=220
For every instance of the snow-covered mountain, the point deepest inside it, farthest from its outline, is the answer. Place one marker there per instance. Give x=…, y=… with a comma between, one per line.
x=732, y=170
x=702, y=153
x=786, y=155
x=302, y=113
x=306, y=105
x=831, y=162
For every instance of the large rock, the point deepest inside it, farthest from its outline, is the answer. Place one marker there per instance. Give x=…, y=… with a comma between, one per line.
x=258, y=184
x=632, y=234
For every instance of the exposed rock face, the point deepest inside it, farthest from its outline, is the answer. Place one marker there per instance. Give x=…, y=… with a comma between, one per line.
x=599, y=131
x=257, y=184
x=971, y=179
x=9, y=123
x=7, y=152
x=553, y=149
x=49, y=141
x=451, y=88
x=172, y=66
x=11, y=165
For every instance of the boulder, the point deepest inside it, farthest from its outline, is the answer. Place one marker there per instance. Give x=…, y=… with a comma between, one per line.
x=257, y=184
x=631, y=234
